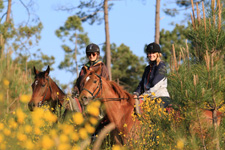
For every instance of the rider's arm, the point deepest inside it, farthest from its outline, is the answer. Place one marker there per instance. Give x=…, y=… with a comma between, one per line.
x=140, y=86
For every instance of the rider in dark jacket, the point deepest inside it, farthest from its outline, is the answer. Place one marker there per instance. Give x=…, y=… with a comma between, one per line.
x=92, y=53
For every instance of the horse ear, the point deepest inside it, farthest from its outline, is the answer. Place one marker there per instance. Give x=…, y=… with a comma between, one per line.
x=36, y=71
x=47, y=71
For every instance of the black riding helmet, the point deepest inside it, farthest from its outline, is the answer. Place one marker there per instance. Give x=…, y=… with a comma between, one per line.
x=91, y=48
x=153, y=48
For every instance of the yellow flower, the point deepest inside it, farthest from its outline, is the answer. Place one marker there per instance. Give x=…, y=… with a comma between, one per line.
x=1, y=138
x=57, y=93
x=48, y=116
x=2, y=146
x=53, y=133
x=75, y=147
x=1, y=126
x=29, y=144
x=37, y=131
x=93, y=120
x=93, y=110
x=96, y=103
x=116, y=147
x=37, y=116
x=7, y=132
x=1, y=97
x=83, y=133
x=125, y=125
x=25, y=98
x=78, y=118
x=12, y=124
x=47, y=142
x=74, y=136
x=63, y=146
x=63, y=138
x=20, y=115
x=21, y=137
x=27, y=128
x=180, y=144
x=6, y=82
x=89, y=128
x=68, y=129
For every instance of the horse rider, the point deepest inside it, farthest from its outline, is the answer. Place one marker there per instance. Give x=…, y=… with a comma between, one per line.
x=94, y=63
x=154, y=78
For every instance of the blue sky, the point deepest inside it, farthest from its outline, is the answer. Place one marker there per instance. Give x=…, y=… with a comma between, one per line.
x=131, y=22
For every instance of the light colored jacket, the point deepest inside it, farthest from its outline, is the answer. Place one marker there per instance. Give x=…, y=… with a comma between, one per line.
x=160, y=89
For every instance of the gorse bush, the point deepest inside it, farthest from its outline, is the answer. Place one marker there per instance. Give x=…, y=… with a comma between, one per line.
x=13, y=84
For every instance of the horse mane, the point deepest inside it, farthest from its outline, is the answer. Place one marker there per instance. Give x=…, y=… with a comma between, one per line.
x=120, y=91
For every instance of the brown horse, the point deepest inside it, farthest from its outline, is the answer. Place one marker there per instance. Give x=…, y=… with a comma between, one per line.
x=46, y=90
x=119, y=104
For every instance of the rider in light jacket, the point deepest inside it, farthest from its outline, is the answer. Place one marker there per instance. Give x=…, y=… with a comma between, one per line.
x=154, y=77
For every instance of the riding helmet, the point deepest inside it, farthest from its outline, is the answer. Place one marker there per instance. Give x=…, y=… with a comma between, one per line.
x=153, y=48
x=91, y=48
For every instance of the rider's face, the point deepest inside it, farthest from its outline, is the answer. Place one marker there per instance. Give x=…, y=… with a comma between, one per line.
x=92, y=56
x=152, y=56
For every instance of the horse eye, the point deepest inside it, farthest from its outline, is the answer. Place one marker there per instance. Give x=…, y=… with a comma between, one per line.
x=95, y=81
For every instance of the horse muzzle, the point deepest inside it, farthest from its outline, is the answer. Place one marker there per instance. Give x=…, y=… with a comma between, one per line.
x=85, y=100
x=31, y=106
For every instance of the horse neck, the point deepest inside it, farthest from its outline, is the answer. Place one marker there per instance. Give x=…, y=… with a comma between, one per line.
x=120, y=110
x=57, y=93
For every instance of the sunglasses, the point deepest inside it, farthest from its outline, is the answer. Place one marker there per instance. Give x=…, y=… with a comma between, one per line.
x=93, y=54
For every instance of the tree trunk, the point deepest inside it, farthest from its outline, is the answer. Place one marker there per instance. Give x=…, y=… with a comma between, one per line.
x=216, y=130
x=108, y=51
x=75, y=56
x=2, y=40
x=157, y=21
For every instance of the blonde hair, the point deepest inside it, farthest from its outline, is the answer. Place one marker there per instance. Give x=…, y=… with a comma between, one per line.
x=158, y=59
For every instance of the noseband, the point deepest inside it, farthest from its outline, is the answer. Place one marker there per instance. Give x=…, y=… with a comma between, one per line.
x=99, y=87
x=42, y=101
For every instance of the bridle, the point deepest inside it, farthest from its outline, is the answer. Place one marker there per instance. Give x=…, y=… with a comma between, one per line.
x=43, y=100
x=99, y=87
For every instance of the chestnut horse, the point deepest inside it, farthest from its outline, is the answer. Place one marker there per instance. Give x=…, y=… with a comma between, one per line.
x=119, y=104
x=46, y=90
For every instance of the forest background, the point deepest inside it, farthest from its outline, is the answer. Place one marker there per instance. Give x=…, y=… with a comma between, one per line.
x=131, y=27
x=193, y=51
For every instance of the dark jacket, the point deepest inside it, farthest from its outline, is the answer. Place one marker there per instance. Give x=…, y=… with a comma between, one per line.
x=152, y=75
x=90, y=66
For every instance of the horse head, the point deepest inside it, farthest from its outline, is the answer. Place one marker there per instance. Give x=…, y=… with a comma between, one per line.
x=92, y=87
x=41, y=89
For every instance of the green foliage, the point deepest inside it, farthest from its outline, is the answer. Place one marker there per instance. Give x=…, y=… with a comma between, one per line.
x=91, y=11
x=177, y=37
x=13, y=83
x=210, y=39
x=72, y=33
x=127, y=68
